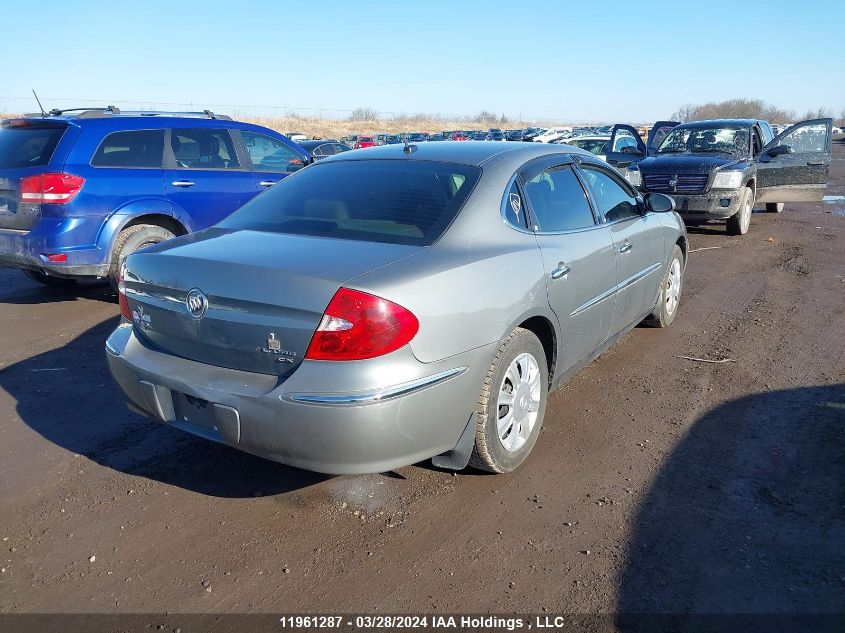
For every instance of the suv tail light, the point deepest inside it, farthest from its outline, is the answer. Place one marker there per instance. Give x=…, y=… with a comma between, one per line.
x=357, y=325
x=50, y=188
x=121, y=294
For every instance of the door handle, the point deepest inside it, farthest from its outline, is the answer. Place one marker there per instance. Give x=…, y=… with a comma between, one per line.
x=561, y=271
x=266, y=183
x=627, y=246
x=182, y=183
x=813, y=163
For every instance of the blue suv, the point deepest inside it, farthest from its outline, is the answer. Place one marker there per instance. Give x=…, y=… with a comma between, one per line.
x=82, y=189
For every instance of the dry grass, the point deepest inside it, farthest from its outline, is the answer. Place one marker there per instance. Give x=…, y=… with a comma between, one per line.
x=321, y=127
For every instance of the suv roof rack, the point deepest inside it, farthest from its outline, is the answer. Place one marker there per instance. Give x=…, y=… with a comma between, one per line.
x=92, y=113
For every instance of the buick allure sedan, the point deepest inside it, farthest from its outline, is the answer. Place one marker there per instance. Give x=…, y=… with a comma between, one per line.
x=384, y=307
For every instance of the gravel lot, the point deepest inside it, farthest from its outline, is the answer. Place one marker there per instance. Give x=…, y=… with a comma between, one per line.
x=658, y=484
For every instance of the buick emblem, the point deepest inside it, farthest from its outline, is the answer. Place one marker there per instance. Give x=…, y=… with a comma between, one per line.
x=673, y=182
x=197, y=303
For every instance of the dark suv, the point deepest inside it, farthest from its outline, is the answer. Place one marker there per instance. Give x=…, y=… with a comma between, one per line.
x=81, y=189
x=719, y=169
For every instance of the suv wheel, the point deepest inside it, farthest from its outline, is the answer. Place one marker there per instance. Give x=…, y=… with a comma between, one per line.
x=130, y=240
x=739, y=222
x=511, y=405
x=48, y=280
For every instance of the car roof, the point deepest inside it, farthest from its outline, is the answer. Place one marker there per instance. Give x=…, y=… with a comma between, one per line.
x=726, y=122
x=473, y=153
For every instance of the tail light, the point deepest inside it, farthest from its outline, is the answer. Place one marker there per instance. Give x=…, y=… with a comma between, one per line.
x=357, y=325
x=50, y=188
x=121, y=293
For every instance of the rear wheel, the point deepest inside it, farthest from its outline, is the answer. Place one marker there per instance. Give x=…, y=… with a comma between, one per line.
x=48, y=280
x=670, y=292
x=739, y=222
x=132, y=239
x=511, y=405
x=774, y=207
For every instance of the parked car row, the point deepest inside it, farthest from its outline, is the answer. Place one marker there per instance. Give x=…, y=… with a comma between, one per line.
x=352, y=316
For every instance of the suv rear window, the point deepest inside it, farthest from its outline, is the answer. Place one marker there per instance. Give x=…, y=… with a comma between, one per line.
x=140, y=148
x=390, y=201
x=28, y=146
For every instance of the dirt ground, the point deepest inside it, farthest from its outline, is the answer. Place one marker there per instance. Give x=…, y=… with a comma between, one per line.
x=658, y=484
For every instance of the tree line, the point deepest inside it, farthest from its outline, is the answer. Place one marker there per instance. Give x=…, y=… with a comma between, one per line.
x=748, y=109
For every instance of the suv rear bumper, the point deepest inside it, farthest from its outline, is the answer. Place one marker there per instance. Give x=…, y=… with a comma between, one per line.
x=29, y=249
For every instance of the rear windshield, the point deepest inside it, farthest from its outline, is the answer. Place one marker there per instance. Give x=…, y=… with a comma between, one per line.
x=28, y=146
x=390, y=201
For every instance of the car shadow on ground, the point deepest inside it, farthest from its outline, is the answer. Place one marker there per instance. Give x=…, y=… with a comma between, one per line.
x=17, y=289
x=747, y=515
x=67, y=396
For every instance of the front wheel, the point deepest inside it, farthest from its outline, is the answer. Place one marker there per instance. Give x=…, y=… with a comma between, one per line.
x=670, y=292
x=739, y=222
x=512, y=404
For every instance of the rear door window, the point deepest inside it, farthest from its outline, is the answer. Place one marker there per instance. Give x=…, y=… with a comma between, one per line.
x=201, y=148
x=138, y=148
x=28, y=146
x=390, y=201
x=558, y=200
x=269, y=154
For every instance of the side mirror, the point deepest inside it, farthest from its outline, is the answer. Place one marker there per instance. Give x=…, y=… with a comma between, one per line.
x=659, y=203
x=778, y=150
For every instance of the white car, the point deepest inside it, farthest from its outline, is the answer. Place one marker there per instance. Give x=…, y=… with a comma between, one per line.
x=298, y=136
x=551, y=134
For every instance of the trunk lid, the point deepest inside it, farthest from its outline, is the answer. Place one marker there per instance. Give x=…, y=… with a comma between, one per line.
x=266, y=293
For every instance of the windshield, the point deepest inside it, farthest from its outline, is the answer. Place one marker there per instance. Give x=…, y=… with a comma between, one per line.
x=702, y=140
x=595, y=146
x=391, y=201
x=28, y=146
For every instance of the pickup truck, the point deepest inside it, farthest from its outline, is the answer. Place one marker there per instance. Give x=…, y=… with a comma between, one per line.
x=720, y=169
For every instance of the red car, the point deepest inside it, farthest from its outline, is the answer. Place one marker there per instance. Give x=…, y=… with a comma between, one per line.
x=364, y=141
x=459, y=136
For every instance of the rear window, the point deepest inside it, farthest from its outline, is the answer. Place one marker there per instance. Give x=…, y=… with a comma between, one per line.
x=394, y=202
x=139, y=148
x=28, y=146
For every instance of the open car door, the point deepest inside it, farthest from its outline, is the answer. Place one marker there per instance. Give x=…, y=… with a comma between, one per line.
x=625, y=147
x=793, y=167
x=658, y=132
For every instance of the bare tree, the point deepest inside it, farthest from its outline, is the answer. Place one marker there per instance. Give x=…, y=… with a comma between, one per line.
x=364, y=114
x=733, y=109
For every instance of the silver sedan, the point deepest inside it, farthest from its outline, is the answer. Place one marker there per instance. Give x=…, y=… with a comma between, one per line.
x=397, y=304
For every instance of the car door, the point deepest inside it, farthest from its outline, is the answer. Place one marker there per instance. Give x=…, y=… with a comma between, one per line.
x=638, y=244
x=625, y=147
x=272, y=159
x=578, y=256
x=204, y=174
x=793, y=167
x=657, y=133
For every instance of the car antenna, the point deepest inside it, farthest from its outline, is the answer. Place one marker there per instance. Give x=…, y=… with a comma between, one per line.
x=44, y=114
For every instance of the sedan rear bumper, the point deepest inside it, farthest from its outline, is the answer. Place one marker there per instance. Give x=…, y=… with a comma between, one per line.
x=302, y=421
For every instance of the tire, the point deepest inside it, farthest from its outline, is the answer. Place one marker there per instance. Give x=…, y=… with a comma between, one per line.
x=774, y=207
x=670, y=292
x=130, y=240
x=739, y=222
x=521, y=350
x=48, y=280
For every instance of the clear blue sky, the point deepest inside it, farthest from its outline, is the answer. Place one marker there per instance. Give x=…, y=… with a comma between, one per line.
x=575, y=61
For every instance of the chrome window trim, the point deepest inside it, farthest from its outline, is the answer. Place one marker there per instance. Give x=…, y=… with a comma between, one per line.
x=379, y=395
